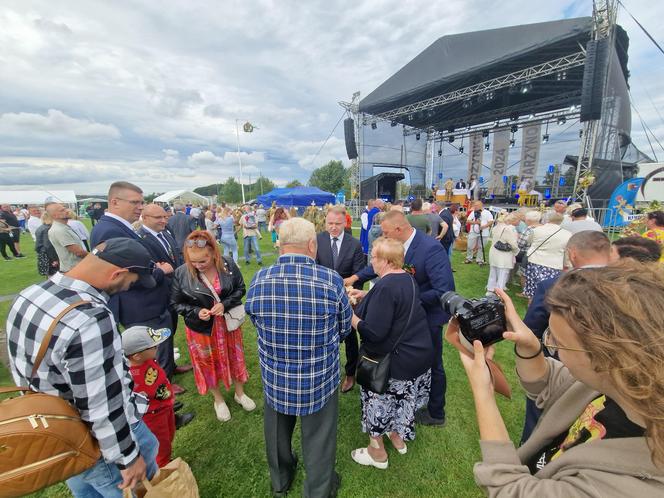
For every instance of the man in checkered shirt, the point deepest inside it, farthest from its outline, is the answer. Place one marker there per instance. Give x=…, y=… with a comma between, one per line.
x=85, y=365
x=301, y=313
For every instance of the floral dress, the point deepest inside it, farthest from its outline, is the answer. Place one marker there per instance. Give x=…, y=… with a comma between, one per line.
x=218, y=357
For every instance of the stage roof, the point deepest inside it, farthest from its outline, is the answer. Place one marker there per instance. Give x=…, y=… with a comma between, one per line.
x=457, y=61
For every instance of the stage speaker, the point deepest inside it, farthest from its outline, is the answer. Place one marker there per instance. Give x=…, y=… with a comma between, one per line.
x=594, y=77
x=349, y=134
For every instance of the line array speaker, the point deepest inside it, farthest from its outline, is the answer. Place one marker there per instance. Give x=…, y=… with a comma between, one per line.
x=349, y=134
x=594, y=76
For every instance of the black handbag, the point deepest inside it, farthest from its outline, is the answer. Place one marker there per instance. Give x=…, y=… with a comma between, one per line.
x=373, y=370
x=503, y=246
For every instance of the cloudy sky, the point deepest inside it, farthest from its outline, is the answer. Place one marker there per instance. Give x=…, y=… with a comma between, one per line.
x=93, y=91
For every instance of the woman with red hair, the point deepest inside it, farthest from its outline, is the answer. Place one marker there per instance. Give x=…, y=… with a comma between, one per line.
x=204, y=288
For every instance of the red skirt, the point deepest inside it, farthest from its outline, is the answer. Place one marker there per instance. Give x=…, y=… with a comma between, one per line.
x=218, y=357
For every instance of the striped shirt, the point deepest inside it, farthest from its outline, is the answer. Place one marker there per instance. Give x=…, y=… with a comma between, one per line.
x=84, y=364
x=301, y=312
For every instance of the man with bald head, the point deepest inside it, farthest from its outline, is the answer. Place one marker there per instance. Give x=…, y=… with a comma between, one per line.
x=65, y=240
x=430, y=266
x=164, y=250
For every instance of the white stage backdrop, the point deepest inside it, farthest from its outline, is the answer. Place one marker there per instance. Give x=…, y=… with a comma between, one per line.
x=501, y=152
x=475, y=156
x=530, y=150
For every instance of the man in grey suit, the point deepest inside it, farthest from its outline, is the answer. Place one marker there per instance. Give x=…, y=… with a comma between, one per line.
x=343, y=253
x=181, y=225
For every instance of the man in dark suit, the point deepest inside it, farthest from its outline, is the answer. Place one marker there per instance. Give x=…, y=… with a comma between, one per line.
x=430, y=266
x=343, y=253
x=137, y=306
x=460, y=185
x=181, y=225
x=163, y=249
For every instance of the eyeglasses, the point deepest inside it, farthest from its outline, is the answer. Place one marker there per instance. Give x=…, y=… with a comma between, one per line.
x=200, y=243
x=133, y=203
x=552, y=347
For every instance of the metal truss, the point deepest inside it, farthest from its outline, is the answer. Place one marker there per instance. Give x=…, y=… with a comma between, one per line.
x=530, y=73
x=604, y=20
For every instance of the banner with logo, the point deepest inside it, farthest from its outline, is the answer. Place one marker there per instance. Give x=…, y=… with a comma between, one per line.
x=621, y=204
x=475, y=156
x=530, y=150
x=501, y=151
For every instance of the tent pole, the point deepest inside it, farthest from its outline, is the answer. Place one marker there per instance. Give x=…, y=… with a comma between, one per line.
x=239, y=160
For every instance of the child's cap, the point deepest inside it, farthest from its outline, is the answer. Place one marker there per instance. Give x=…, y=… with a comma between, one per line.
x=139, y=338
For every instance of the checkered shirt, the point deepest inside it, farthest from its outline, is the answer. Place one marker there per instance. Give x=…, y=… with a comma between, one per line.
x=301, y=312
x=84, y=364
x=525, y=239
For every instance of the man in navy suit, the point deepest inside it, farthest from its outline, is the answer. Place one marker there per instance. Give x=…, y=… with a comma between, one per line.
x=343, y=253
x=163, y=249
x=430, y=266
x=137, y=306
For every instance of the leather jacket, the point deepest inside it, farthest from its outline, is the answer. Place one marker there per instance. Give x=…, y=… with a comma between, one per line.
x=189, y=295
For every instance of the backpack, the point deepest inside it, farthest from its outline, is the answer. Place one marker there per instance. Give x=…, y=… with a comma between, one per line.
x=42, y=437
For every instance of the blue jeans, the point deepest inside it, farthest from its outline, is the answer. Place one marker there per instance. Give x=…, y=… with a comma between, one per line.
x=262, y=226
x=230, y=245
x=102, y=480
x=253, y=241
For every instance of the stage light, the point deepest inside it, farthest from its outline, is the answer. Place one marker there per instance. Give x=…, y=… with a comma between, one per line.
x=440, y=152
x=417, y=136
x=562, y=120
x=393, y=123
x=512, y=143
x=514, y=117
x=562, y=75
x=580, y=133
x=545, y=138
x=410, y=117
x=486, y=146
x=466, y=103
x=514, y=128
x=485, y=133
x=460, y=149
x=490, y=95
x=450, y=139
x=374, y=125
x=526, y=87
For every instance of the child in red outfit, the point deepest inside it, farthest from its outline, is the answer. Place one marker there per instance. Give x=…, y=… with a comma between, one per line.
x=140, y=347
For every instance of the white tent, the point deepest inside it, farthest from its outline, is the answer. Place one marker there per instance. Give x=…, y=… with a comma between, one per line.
x=37, y=196
x=182, y=196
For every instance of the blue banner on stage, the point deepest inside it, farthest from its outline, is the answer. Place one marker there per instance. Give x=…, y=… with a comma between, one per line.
x=621, y=204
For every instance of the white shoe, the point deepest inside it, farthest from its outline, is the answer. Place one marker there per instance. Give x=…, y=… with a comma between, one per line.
x=361, y=456
x=245, y=402
x=176, y=350
x=176, y=356
x=222, y=411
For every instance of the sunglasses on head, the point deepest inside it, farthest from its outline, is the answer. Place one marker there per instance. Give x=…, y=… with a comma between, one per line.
x=200, y=243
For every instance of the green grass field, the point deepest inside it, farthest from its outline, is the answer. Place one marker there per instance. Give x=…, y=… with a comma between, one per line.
x=228, y=459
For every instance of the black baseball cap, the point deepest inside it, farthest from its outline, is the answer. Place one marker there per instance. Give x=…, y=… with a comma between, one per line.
x=130, y=254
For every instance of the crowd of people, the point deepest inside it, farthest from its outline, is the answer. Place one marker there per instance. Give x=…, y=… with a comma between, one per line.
x=588, y=352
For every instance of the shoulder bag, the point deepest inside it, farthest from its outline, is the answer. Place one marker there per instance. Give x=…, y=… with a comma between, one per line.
x=42, y=437
x=235, y=316
x=529, y=254
x=503, y=246
x=373, y=370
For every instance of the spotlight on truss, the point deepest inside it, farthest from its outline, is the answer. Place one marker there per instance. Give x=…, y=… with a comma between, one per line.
x=545, y=138
x=373, y=125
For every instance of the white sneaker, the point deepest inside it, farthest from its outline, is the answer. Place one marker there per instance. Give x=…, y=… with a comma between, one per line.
x=245, y=402
x=222, y=411
x=176, y=350
x=176, y=356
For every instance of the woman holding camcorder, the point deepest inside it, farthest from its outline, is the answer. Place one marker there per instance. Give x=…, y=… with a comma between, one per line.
x=601, y=433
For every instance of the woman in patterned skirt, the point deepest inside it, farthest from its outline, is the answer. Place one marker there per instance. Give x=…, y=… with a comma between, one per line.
x=390, y=318
x=204, y=288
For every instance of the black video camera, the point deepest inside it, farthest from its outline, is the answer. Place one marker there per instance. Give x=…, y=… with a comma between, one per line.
x=479, y=319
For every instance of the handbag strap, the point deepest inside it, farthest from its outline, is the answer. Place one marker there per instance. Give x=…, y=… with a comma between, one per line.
x=410, y=316
x=210, y=287
x=49, y=333
x=545, y=240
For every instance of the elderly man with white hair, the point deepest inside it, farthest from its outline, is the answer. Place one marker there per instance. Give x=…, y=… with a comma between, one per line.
x=301, y=313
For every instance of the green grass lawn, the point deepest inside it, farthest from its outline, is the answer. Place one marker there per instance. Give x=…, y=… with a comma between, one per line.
x=228, y=459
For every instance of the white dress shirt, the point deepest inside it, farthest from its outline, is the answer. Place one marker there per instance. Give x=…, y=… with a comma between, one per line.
x=406, y=245
x=125, y=222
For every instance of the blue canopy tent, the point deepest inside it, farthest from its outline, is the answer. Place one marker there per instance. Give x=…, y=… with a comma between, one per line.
x=296, y=196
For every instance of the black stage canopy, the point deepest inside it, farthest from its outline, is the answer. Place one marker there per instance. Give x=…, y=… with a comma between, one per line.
x=458, y=61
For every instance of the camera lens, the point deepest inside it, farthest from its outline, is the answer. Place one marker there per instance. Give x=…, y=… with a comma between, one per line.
x=452, y=302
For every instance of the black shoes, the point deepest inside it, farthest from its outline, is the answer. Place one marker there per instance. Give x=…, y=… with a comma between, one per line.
x=423, y=417
x=182, y=419
x=177, y=406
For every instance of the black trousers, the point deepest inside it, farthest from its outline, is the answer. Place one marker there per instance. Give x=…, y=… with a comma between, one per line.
x=5, y=242
x=352, y=352
x=436, y=404
x=319, y=448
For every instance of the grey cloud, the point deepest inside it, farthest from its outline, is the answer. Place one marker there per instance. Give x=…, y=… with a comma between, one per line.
x=56, y=27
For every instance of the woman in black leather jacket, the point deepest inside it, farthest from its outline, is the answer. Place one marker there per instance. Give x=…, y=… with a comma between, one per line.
x=207, y=291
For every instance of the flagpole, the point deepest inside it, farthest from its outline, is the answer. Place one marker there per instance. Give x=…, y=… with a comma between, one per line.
x=239, y=160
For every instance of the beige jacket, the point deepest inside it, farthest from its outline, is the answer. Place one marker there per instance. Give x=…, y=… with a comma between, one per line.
x=549, y=252
x=502, y=259
x=600, y=469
